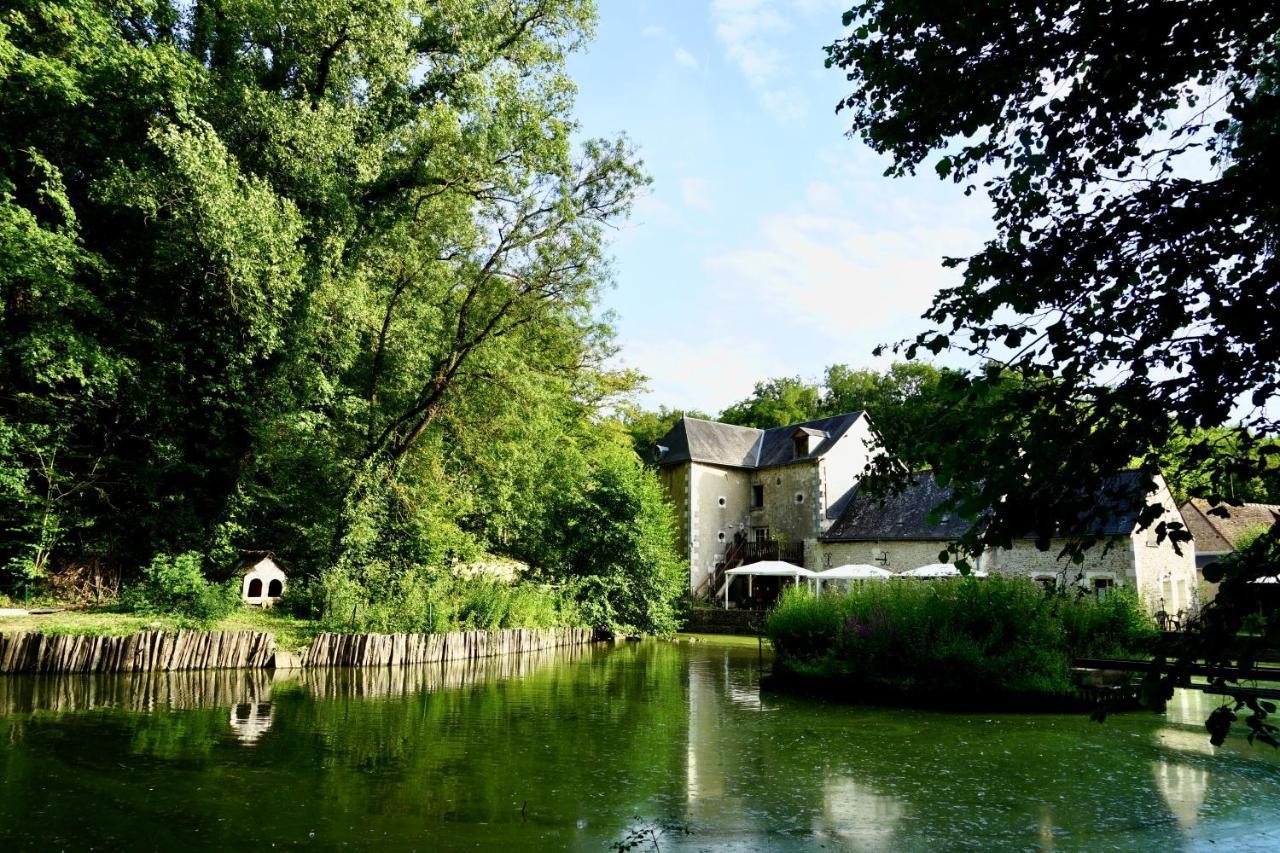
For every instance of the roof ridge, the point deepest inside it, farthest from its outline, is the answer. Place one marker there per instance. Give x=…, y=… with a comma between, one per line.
x=720, y=423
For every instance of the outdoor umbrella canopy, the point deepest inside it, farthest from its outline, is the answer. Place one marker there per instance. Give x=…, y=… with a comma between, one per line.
x=772, y=569
x=938, y=570
x=766, y=569
x=855, y=572
x=933, y=570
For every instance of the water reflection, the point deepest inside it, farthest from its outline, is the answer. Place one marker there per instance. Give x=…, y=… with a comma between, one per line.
x=1183, y=788
x=572, y=748
x=250, y=722
x=858, y=815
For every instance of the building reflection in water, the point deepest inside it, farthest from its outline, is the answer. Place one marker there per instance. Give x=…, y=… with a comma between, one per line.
x=704, y=763
x=857, y=815
x=251, y=720
x=1183, y=787
x=1182, y=784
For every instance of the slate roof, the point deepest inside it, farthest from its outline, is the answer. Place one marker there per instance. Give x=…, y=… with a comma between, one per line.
x=714, y=443
x=1217, y=535
x=905, y=516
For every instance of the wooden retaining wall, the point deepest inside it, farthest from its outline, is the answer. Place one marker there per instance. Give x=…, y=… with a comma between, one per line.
x=166, y=651
x=401, y=649
x=143, y=692
x=145, y=651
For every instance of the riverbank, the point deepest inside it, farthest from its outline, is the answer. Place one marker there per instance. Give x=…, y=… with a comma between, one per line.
x=166, y=651
x=291, y=633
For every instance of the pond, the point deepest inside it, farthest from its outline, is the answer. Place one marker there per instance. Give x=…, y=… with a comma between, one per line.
x=668, y=744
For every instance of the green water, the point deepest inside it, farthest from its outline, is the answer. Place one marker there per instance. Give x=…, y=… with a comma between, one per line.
x=577, y=749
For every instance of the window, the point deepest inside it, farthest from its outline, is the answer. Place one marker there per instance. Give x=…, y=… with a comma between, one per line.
x=1101, y=585
x=799, y=497
x=1152, y=538
x=275, y=589
x=255, y=588
x=722, y=501
x=760, y=534
x=801, y=442
x=778, y=480
x=757, y=496
x=1048, y=582
x=720, y=536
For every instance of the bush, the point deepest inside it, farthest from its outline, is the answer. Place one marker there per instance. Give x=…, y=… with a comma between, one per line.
x=954, y=640
x=423, y=601
x=176, y=586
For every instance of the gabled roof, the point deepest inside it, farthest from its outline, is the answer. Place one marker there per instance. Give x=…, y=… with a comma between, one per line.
x=905, y=515
x=899, y=516
x=1217, y=535
x=714, y=443
x=696, y=440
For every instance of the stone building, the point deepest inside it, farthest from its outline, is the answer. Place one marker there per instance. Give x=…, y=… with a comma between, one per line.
x=791, y=493
x=1220, y=531
x=261, y=581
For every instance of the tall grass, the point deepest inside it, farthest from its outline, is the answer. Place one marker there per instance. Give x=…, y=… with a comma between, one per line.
x=430, y=602
x=954, y=639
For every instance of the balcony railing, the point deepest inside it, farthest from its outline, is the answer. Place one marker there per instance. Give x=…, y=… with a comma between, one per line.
x=771, y=549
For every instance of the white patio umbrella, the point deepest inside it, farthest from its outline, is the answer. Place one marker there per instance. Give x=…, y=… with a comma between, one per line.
x=765, y=569
x=933, y=570
x=853, y=572
x=939, y=570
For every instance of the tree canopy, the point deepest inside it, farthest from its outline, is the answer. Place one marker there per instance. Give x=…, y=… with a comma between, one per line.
x=321, y=278
x=1129, y=152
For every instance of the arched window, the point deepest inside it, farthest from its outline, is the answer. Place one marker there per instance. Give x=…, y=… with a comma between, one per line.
x=275, y=589
x=255, y=588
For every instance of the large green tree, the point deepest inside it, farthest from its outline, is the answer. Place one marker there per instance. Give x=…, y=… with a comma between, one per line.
x=1130, y=155
x=310, y=277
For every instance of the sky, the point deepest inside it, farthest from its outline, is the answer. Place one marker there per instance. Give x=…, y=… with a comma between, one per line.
x=770, y=243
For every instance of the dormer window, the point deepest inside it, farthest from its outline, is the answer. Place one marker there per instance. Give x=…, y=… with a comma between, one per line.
x=804, y=440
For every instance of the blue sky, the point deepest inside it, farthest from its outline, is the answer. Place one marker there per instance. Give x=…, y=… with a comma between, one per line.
x=770, y=244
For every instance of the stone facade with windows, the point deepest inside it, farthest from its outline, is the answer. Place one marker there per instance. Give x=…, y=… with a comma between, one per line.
x=791, y=493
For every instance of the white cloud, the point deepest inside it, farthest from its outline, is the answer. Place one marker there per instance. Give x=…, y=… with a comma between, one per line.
x=760, y=38
x=828, y=269
x=696, y=193
x=686, y=59
x=653, y=32
x=705, y=372
x=748, y=29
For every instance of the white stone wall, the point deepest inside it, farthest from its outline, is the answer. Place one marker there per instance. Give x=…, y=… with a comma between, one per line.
x=1023, y=559
x=720, y=500
x=841, y=468
x=1168, y=580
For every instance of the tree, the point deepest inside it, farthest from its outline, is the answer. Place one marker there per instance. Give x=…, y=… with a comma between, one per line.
x=776, y=402
x=1129, y=151
x=902, y=401
x=645, y=427
x=609, y=527
x=306, y=277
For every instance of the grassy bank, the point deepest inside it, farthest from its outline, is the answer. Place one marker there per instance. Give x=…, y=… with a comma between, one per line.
x=291, y=632
x=951, y=642
x=175, y=597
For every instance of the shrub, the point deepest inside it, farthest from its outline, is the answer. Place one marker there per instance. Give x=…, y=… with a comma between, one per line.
x=426, y=601
x=956, y=640
x=176, y=586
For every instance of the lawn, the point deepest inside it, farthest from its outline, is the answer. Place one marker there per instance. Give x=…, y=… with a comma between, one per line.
x=291, y=633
